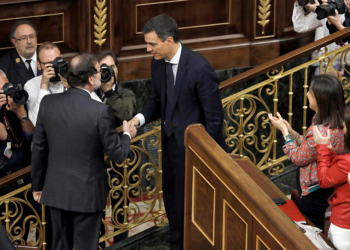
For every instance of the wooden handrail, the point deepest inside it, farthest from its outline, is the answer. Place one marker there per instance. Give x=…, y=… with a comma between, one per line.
x=20, y=174
x=282, y=60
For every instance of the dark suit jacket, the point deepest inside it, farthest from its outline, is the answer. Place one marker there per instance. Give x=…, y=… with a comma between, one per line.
x=197, y=96
x=72, y=134
x=16, y=72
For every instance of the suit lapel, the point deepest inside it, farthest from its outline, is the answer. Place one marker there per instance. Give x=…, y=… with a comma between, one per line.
x=181, y=72
x=20, y=68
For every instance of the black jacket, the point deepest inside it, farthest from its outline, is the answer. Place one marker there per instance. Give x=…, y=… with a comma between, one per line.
x=72, y=134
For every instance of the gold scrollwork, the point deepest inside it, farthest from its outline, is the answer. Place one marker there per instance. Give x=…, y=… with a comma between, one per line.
x=100, y=22
x=14, y=216
x=264, y=13
x=276, y=169
x=276, y=73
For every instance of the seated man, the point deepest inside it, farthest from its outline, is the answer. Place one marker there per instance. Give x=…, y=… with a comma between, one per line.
x=122, y=101
x=41, y=86
x=20, y=63
x=16, y=132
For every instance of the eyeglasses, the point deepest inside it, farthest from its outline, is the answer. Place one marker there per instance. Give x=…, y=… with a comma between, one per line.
x=25, y=38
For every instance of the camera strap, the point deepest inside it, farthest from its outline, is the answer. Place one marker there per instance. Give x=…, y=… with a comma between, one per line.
x=16, y=141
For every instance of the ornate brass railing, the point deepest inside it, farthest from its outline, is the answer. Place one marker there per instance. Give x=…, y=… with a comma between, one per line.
x=248, y=132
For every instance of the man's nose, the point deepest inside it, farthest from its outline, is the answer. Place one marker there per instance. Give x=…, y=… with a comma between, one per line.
x=149, y=48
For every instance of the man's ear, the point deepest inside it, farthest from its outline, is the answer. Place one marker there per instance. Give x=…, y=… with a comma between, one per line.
x=91, y=81
x=170, y=41
x=14, y=42
x=38, y=64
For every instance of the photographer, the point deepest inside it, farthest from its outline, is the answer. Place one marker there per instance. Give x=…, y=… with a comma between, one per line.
x=336, y=22
x=305, y=19
x=122, y=101
x=16, y=132
x=48, y=83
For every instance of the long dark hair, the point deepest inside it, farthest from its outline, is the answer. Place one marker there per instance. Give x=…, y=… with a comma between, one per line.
x=329, y=95
x=347, y=135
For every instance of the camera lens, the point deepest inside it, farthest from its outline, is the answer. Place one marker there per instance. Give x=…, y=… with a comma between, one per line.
x=20, y=97
x=303, y=2
x=323, y=11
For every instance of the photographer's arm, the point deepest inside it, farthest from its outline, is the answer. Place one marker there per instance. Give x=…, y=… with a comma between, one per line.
x=303, y=23
x=20, y=111
x=123, y=107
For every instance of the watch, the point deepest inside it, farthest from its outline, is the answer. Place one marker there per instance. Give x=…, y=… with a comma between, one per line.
x=287, y=137
x=23, y=119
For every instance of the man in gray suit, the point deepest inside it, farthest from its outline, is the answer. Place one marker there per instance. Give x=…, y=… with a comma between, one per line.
x=72, y=135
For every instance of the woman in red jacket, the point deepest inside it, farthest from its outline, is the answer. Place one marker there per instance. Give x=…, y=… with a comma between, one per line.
x=333, y=172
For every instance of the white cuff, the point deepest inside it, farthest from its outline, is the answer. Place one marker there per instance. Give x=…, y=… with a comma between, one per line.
x=127, y=133
x=141, y=119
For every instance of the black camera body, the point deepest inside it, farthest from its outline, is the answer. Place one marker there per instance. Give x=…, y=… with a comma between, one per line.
x=323, y=11
x=16, y=92
x=107, y=73
x=61, y=67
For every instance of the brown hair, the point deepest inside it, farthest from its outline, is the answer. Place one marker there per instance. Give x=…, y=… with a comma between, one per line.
x=329, y=95
x=103, y=54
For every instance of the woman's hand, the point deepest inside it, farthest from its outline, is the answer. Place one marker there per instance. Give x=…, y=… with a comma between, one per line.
x=279, y=123
x=319, y=139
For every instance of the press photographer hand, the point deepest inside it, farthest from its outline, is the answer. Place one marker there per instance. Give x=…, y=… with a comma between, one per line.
x=105, y=87
x=19, y=110
x=48, y=72
x=335, y=20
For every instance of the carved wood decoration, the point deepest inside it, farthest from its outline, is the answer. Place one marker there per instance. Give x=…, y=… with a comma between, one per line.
x=229, y=33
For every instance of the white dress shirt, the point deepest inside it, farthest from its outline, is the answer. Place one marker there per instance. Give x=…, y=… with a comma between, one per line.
x=33, y=63
x=36, y=95
x=175, y=64
x=304, y=23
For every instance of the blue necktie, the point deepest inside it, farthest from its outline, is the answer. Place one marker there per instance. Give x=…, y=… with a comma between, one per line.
x=170, y=89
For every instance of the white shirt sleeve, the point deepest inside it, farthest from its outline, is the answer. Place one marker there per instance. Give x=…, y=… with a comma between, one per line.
x=141, y=118
x=303, y=23
x=33, y=113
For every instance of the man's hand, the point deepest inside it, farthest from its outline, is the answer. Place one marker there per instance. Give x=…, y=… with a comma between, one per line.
x=107, y=86
x=126, y=128
x=64, y=81
x=3, y=132
x=335, y=20
x=133, y=123
x=48, y=72
x=19, y=110
x=312, y=7
x=37, y=196
x=3, y=99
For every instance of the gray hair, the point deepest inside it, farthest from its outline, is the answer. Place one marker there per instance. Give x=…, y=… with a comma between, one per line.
x=3, y=73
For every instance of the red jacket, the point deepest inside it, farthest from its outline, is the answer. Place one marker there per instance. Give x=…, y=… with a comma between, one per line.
x=333, y=172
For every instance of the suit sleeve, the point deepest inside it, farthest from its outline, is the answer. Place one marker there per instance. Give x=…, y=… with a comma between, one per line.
x=209, y=95
x=152, y=109
x=330, y=174
x=40, y=153
x=115, y=147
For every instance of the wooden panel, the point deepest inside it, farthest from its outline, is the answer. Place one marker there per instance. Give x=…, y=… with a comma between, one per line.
x=262, y=53
x=235, y=229
x=203, y=205
x=261, y=245
x=264, y=20
x=56, y=21
x=263, y=239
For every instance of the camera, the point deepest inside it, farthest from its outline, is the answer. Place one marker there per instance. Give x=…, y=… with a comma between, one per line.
x=107, y=73
x=16, y=92
x=324, y=11
x=61, y=67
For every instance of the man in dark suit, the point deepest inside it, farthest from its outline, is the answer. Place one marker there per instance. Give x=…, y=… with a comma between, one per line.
x=20, y=64
x=185, y=91
x=73, y=132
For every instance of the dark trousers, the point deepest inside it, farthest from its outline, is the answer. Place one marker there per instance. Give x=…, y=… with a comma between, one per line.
x=315, y=204
x=81, y=230
x=173, y=190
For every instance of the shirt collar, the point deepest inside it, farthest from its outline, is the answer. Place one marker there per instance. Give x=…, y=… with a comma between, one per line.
x=33, y=57
x=176, y=58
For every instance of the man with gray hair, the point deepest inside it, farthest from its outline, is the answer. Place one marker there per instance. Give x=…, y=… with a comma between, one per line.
x=20, y=63
x=73, y=133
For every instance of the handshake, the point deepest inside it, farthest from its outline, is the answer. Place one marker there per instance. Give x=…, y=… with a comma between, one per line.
x=130, y=126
